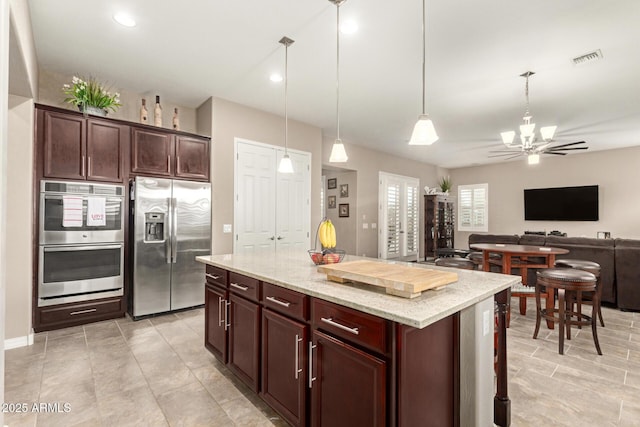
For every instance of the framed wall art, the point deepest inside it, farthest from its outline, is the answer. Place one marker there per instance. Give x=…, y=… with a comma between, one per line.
x=332, y=183
x=343, y=211
x=332, y=202
x=344, y=190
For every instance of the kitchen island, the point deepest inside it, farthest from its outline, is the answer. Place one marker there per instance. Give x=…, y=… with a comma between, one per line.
x=325, y=353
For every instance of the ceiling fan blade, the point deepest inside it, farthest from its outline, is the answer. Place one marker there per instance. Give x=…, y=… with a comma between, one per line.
x=552, y=152
x=506, y=154
x=512, y=157
x=567, y=149
x=505, y=151
x=569, y=144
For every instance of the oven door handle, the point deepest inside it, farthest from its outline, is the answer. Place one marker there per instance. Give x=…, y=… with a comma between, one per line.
x=67, y=248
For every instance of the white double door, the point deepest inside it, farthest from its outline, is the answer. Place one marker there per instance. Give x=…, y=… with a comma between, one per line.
x=272, y=209
x=398, y=236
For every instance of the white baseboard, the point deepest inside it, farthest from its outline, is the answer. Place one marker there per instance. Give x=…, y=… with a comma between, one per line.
x=18, y=342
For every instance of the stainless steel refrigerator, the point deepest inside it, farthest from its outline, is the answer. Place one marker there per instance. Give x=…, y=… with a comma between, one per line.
x=171, y=226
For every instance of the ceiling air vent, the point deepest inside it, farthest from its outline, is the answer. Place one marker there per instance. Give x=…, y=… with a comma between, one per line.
x=588, y=57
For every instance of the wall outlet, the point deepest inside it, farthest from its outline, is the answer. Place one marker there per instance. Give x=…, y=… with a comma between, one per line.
x=365, y=225
x=373, y=225
x=486, y=323
x=226, y=228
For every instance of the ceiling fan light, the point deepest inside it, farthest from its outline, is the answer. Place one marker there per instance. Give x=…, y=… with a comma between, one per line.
x=533, y=159
x=424, y=133
x=547, y=132
x=285, y=164
x=338, y=153
x=507, y=137
x=527, y=130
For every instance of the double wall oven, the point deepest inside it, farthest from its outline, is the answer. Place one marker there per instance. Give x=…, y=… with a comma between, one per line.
x=81, y=250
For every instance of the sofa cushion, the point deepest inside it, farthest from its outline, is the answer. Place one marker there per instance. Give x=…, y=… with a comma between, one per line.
x=590, y=249
x=532, y=240
x=627, y=273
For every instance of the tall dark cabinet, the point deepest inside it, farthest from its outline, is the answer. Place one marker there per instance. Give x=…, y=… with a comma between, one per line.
x=439, y=223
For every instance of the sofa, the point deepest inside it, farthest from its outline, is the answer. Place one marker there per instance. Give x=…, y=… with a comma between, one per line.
x=619, y=261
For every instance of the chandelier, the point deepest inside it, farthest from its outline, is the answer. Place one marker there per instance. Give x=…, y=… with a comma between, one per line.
x=529, y=142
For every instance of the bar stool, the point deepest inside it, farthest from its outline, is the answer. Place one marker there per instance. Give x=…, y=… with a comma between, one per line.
x=455, y=262
x=478, y=258
x=591, y=267
x=567, y=282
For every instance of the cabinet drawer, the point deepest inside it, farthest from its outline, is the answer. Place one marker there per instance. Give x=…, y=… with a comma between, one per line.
x=285, y=301
x=216, y=275
x=247, y=287
x=75, y=314
x=352, y=325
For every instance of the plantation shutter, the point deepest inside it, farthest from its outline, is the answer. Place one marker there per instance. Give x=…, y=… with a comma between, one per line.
x=473, y=204
x=393, y=220
x=412, y=228
x=399, y=217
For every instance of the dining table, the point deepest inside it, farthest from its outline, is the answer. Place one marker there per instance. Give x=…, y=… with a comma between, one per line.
x=522, y=257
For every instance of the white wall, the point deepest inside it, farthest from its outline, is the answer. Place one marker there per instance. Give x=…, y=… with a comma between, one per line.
x=617, y=173
x=19, y=216
x=368, y=163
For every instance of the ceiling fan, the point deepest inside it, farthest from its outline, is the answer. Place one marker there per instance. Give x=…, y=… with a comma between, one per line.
x=529, y=145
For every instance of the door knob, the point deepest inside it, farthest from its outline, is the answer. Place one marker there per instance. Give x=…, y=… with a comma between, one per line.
x=280, y=237
x=272, y=238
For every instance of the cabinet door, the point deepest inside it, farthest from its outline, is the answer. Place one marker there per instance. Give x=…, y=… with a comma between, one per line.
x=151, y=152
x=106, y=144
x=192, y=157
x=215, y=334
x=64, y=146
x=244, y=340
x=349, y=387
x=284, y=363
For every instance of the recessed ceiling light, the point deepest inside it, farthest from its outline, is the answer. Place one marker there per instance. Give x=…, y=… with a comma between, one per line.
x=349, y=27
x=124, y=19
x=275, y=77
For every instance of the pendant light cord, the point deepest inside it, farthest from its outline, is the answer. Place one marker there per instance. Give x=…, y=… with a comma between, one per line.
x=424, y=56
x=286, y=82
x=338, y=71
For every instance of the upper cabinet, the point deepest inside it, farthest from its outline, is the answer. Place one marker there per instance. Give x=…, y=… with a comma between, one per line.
x=154, y=152
x=74, y=147
x=79, y=148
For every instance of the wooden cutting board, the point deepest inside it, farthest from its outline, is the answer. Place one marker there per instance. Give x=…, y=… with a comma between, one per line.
x=400, y=280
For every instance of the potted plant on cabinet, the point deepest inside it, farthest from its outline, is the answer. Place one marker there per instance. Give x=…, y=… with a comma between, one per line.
x=90, y=96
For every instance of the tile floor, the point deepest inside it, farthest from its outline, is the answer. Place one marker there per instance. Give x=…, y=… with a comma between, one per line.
x=156, y=372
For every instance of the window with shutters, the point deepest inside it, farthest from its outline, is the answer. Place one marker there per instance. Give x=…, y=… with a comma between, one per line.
x=399, y=217
x=473, y=206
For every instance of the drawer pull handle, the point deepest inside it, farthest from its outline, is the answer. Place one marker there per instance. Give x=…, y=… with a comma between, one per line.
x=332, y=322
x=241, y=287
x=90, y=310
x=277, y=301
x=211, y=276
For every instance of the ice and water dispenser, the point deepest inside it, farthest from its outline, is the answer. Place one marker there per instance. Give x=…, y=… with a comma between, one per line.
x=154, y=227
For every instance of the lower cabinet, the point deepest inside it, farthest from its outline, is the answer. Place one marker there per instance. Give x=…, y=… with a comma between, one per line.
x=215, y=326
x=348, y=385
x=284, y=366
x=244, y=340
x=79, y=313
x=321, y=364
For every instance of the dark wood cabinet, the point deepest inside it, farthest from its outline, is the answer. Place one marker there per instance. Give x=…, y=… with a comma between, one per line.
x=439, y=223
x=244, y=340
x=284, y=366
x=106, y=146
x=349, y=387
x=79, y=148
x=156, y=152
x=72, y=314
x=215, y=328
x=192, y=157
x=151, y=152
x=63, y=145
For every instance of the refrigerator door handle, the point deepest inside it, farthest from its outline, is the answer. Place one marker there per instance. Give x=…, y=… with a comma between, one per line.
x=168, y=243
x=174, y=230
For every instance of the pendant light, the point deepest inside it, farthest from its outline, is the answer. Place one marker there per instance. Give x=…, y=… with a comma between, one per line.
x=423, y=132
x=338, y=154
x=285, y=163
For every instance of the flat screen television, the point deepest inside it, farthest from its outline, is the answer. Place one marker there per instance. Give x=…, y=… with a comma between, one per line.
x=561, y=204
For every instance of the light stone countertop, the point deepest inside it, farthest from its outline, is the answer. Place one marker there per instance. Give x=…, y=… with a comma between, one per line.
x=294, y=270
